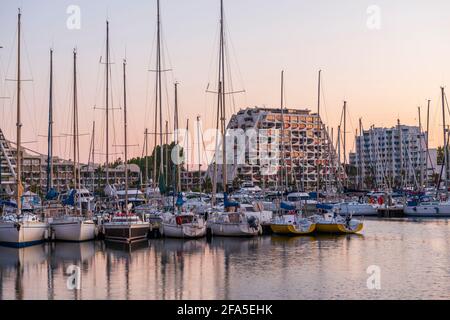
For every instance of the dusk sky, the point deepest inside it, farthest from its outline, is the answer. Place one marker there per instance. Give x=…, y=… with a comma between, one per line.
x=384, y=73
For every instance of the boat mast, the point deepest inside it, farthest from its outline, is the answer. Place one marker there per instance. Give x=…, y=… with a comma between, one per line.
x=176, y=128
x=283, y=172
x=427, y=142
x=159, y=92
x=107, y=101
x=19, y=123
x=320, y=134
x=338, y=142
x=445, y=142
x=93, y=156
x=146, y=156
x=345, y=142
x=221, y=98
x=199, y=155
x=166, y=154
x=75, y=124
x=420, y=149
x=125, y=132
x=74, y=120
x=50, y=129
x=360, y=154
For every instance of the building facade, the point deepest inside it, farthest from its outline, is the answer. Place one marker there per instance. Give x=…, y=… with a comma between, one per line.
x=391, y=157
x=34, y=172
x=288, y=146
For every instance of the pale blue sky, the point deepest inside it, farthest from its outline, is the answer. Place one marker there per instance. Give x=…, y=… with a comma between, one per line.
x=383, y=74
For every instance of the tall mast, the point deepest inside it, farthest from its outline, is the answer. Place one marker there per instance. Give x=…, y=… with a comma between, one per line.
x=445, y=141
x=283, y=171
x=221, y=97
x=345, y=142
x=19, y=123
x=338, y=142
x=166, y=154
x=175, y=125
x=427, y=142
x=159, y=91
x=146, y=156
x=199, y=155
x=345, y=133
x=320, y=134
x=158, y=103
x=93, y=156
x=107, y=102
x=75, y=120
x=420, y=149
x=360, y=154
x=125, y=132
x=50, y=129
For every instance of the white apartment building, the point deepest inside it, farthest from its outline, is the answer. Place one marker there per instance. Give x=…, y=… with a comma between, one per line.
x=301, y=151
x=391, y=157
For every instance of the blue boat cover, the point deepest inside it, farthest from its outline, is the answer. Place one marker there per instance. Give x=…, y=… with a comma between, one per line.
x=324, y=206
x=70, y=201
x=52, y=194
x=287, y=206
x=7, y=204
x=227, y=203
x=180, y=200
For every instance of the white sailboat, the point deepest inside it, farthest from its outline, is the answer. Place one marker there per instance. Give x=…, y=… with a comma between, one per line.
x=20, y=229
x=75, y=226
x=184, y=226
x=234, y=224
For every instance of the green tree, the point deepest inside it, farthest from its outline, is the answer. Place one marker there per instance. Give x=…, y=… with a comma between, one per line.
x=440, y=155
x=169, y=166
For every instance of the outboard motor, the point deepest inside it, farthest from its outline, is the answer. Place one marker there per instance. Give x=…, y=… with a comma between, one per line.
x=253, y=222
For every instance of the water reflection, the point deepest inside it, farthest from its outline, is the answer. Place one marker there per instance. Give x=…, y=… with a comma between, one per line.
x=414, y=257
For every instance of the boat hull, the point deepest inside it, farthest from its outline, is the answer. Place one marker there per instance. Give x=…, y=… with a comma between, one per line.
x=126, y=233
x=233, y=230
x=338, y=228
x=22, y=234
x=76, y=231
x=289, y=229
x=429, y=211
x=184, y=231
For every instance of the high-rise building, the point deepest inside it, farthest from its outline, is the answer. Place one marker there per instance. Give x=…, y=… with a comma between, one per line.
x=269, y=147
x=390, y=157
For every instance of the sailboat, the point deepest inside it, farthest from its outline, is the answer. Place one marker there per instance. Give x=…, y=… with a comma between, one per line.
x=289, y=220
x=20, y=229
x=125, y=226
x=336, y=224
x=75, y=226
x=232, y=220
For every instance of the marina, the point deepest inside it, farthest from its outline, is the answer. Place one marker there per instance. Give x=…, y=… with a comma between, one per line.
x=268, y=202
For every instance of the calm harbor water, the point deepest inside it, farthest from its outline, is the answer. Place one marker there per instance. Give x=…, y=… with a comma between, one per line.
x=413, y=256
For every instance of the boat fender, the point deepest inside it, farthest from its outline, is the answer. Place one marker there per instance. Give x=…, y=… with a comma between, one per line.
x=17, y=226
x=437, y=210
x=415, y=209
x=178, y=220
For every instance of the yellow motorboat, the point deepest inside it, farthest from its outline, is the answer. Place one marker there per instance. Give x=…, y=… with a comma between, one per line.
x=292, y=225
x=330, y=223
